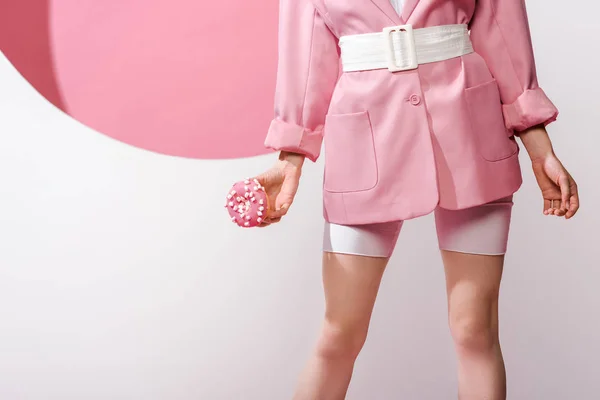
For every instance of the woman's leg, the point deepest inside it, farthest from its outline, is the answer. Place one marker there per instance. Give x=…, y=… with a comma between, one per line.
x=473, y=243
x=473, y=283
x=351, y=284
x=353, y=264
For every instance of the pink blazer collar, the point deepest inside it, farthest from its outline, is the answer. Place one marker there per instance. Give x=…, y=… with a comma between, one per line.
x=388, y=9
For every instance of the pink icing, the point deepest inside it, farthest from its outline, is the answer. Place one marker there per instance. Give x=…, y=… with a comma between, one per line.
x=247, y=203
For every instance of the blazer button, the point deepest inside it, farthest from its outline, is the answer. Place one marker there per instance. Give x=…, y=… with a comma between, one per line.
x=415, y=100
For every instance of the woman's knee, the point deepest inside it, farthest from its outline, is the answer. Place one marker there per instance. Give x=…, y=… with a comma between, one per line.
x=474, y=329
x=342, y=340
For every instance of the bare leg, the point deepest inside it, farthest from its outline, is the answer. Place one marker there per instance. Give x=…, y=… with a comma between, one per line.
x=473, y=284
x=351, y=284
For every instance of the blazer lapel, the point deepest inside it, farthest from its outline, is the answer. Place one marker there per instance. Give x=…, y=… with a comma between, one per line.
x=407, y=10
x=388, y=9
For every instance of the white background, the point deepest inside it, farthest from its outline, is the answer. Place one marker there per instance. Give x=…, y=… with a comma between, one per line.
x=122, y=278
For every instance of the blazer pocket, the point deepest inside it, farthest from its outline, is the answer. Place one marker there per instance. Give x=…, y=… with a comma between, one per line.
x=494, y=140
x=350, y=163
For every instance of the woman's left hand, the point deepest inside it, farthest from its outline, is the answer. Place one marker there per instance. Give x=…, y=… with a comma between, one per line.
x=558, y=187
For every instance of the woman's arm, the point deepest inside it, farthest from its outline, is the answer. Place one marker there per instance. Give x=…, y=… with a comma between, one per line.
x=307, y=72
x=537, y=143
x=295, y=159
x=500, y=34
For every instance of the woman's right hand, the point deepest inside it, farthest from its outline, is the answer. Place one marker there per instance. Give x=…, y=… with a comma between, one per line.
x=281, y=184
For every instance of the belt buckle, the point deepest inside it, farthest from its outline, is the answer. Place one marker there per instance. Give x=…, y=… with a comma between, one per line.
x=405, y=31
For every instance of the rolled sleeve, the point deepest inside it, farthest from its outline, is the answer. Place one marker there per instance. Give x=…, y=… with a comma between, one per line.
x=531, y=108
x=294, y=138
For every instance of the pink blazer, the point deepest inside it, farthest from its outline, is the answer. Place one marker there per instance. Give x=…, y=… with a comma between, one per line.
x=397, y=145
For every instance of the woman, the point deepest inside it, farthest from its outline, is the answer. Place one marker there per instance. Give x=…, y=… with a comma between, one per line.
x=422, y=118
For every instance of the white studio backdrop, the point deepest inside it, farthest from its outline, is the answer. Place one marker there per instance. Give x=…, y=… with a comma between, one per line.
x=121, y=277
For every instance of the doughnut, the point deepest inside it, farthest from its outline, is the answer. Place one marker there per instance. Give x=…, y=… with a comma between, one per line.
x=247, y=203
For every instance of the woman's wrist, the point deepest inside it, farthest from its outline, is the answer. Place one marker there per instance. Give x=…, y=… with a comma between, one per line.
x=537, y=142
x=295, y=159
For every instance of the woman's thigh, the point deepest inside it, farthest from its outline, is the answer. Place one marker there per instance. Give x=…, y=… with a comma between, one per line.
x=351, y=284
x=478, y=230
x=473, y=243
x=354, y=259
x=371, y=240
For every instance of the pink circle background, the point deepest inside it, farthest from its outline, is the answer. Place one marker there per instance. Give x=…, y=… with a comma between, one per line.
x=190, y=78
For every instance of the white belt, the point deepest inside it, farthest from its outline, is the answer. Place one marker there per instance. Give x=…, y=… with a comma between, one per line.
x=400, y=48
